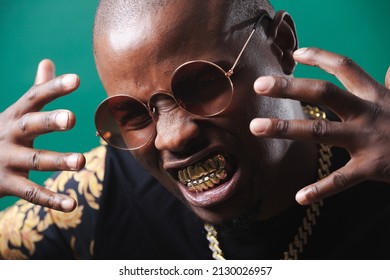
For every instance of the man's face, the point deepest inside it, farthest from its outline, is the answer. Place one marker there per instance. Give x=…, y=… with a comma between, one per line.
x=140, y=60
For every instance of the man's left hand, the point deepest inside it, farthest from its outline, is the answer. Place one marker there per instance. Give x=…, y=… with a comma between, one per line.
x=363, y=108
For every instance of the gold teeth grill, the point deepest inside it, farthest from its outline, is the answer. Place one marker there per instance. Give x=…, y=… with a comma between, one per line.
x=203, y=175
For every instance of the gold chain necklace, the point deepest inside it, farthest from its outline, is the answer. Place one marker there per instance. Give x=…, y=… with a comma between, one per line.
x=312, y=212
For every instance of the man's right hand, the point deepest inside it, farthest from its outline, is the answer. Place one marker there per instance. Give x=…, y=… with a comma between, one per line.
x=21, y=123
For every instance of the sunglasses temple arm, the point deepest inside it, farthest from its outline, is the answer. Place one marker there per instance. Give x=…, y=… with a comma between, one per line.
x=257, y=23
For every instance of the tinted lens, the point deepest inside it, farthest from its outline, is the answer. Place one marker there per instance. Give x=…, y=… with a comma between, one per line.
x=202, y=88
x=124, y=122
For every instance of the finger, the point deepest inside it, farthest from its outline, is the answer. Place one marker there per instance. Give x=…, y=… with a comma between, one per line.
x=27, y=190
x=45, y=72
x=387, y=79
x=319, y=131
x=353, y=77
x=342, y=102
x=31, y=125
x=29, y=159
x=336, y=182
x=40, y=95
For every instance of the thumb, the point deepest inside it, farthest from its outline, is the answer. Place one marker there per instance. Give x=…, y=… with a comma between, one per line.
x=45, y=72
x=387, y=79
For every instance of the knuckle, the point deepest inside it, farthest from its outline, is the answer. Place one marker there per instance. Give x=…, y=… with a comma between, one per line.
x=51, y=85
x=50, y=201
x=381, y=168
x=376, y=112
x=340, y=181
x=49, y=120
x=56, y=86
x=31, y=194
x=35, y=160
x=23, y=122
x=60, y=162
x=315, y=191
x=32, y=93
x=283, y=82
x=344, y=61
x=314, y=53
x=281, y=126
x=324, y=89
x=320, y=128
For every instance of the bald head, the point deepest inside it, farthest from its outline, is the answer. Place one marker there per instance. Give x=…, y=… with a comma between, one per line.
x=122, y=14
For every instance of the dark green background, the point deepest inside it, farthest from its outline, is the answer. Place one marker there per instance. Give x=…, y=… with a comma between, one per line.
x=61, y=30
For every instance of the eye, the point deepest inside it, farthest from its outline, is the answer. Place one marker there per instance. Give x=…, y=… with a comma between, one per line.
x=130, y=114
x=199, y=82
x=133, y=120
x=209, y=87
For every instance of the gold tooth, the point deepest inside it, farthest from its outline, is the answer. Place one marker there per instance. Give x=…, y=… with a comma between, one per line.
x=199, y=170
x=203, y=186
x=214, y=178
x=190, y=171
x=181, y=177
x=207, y=167
x=208, y=182
x=221, y=174
x=212, y=166
x=220, y=160
x=186, y=176
x=202, y=168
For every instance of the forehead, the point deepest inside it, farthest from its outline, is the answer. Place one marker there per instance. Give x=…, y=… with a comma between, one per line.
x=144, y=55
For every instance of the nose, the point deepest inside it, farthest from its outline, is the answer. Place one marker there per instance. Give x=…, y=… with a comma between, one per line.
x=175, y=129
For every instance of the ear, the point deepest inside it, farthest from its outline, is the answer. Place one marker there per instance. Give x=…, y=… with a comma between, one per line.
x=281, y=31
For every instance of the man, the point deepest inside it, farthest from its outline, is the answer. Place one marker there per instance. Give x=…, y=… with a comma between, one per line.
x=208, y=147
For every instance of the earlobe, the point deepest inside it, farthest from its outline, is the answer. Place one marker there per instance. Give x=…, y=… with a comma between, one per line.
x=281, y=31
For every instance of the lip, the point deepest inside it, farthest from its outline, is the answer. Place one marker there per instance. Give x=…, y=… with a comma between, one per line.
x=173, y=166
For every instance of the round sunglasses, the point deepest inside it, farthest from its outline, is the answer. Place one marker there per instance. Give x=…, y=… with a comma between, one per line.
x=199, y=87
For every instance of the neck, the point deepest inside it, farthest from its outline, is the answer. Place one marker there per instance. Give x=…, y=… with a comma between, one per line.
x=298, y=169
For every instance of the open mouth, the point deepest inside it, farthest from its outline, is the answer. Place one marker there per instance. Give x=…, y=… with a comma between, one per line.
x=204, y=175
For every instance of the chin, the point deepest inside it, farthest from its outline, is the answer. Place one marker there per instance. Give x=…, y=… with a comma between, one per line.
x=229, y=214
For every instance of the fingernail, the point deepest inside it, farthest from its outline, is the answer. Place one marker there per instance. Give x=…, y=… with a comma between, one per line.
x=300, y=197
x=62, y=120
x=264, y=84
x=300, y=51
x=72, y=161
x=69, y=80
x=67, y=204
x=259, y=126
